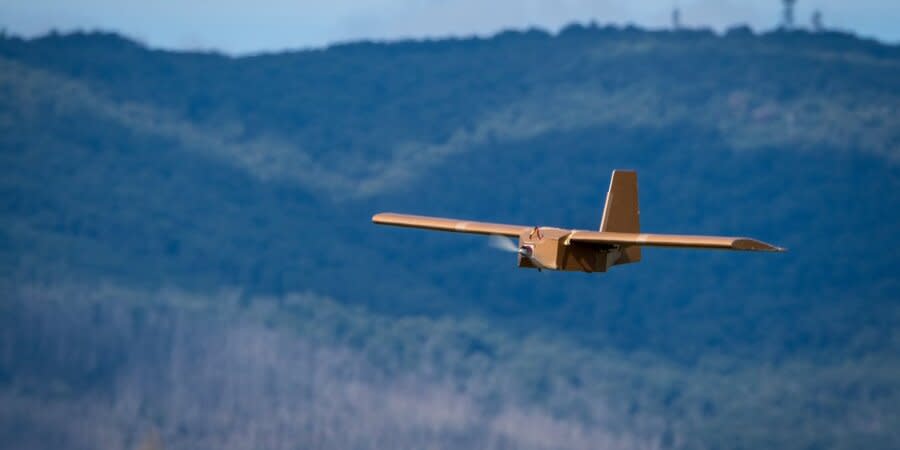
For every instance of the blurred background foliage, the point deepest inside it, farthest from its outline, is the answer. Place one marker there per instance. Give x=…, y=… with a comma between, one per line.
x=175, y=177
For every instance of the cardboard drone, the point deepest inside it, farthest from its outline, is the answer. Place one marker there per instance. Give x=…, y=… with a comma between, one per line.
x=618, y=241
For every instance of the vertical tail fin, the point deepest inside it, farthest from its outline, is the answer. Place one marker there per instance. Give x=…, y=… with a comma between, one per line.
x=621, y=214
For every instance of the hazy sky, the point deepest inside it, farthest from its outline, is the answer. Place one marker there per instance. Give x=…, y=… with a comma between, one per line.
x=246, y=26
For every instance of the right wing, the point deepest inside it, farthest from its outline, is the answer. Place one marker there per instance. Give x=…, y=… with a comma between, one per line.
x=453, y=225
x=671, y=240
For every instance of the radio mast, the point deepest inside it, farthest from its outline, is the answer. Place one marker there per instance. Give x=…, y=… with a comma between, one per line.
x=817, y=21
x=787, y=20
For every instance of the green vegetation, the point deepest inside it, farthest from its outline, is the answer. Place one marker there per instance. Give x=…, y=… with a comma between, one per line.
x=342, y=376
x=178, y=176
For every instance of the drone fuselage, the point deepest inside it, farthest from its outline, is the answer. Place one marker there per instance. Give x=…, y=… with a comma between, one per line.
x=550, y=250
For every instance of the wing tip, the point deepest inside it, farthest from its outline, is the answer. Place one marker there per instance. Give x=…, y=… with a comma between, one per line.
x=754, y=245
x=381, y=218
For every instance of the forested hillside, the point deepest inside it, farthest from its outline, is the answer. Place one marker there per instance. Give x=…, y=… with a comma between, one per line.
x=153, y=197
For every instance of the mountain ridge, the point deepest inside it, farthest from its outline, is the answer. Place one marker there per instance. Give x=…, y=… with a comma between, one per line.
x=177, y=176
x=743, y=122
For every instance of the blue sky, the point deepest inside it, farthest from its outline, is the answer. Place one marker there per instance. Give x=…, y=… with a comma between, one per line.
x=264, y=25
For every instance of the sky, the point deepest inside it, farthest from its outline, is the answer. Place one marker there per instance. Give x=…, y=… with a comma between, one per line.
x=240, y=27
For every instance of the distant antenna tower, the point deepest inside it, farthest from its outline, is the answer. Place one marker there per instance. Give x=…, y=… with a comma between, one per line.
x=788, y=14
x=817, y=21
x=676, y=19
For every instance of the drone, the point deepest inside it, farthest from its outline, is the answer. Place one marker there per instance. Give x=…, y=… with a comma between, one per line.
x=618, y=241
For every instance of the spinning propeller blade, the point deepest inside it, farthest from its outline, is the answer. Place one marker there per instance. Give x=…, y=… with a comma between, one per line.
x=503, y=243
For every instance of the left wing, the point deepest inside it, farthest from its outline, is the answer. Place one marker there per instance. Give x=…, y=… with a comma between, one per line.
x=671, y=240
x=452, y=225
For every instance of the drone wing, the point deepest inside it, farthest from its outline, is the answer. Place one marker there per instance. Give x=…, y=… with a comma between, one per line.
x=671, y=240
x=452, y=225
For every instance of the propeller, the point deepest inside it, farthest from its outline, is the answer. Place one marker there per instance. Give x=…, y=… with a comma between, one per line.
x=507, y=245
x=503, y=243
